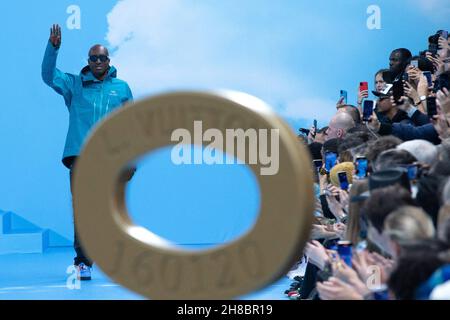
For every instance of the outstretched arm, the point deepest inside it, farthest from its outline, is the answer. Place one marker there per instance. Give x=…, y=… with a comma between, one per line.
x=61, y=82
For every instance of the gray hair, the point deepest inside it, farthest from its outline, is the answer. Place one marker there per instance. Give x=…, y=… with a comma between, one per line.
x=408, y=224
x=424, y=151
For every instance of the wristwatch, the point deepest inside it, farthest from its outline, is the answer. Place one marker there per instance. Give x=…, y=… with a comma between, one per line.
x=421, y=99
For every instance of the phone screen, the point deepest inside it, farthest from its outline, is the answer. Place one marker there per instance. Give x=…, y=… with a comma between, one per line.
x=318, y=164
x=367, y=109
x=361, y=165
x=345, y=251
x=412, y=172
x=415, y=63
x=431, y=106
x=330, y=160
x=343, y=180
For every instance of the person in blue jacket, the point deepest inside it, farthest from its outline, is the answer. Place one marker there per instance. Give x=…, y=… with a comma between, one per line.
x=89, y=97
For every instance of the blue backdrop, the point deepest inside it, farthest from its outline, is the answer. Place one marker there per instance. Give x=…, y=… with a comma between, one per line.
x=295, y=55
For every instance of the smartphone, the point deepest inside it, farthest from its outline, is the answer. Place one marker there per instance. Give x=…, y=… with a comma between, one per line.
x=368, y=106
x=318, y=163
x=330, y=160
x=345, y=251
x=397, y=90
x=429, y=79
x=363, y=86
x=344, y=95
x=413, y=171
x=304, y=131
x=405, y=76
x=431, y=107
x=343, y=180
x=361, y=165
x=415, y=63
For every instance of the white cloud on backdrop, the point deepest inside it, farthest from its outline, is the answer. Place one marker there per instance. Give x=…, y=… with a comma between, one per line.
x=438, y=10
x=174, y=44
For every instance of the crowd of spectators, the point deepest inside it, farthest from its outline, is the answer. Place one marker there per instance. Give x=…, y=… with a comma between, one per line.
x=382, y=219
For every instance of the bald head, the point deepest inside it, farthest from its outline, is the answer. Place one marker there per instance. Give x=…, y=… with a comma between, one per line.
x=339, y=125
x=352, y=111
x=98, y=49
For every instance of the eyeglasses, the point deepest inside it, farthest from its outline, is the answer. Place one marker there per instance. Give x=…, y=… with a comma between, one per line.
x=102, y=58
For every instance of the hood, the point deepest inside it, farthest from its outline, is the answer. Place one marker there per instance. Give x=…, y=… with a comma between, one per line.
x=87, y=75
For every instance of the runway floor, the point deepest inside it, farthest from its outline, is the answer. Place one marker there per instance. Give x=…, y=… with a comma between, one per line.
x=44, y=277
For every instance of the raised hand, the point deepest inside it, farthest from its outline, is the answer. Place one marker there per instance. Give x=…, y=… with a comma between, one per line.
x=362, y=95
x=413, y=75
x=55, y=36
x=410, y=91
x=445, y=45
x=335, y=289
x=443, y=100
x=317, y=254
x=404, y=103
x=438, y=63
x=340, y=103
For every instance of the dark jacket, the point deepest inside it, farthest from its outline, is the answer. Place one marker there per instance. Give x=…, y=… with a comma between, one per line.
x=417, y=119
x=408, y=132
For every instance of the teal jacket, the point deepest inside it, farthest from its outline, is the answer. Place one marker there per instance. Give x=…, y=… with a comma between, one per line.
x=87, y=99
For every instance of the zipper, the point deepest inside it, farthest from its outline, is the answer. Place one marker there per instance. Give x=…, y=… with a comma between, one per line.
x=101, y=100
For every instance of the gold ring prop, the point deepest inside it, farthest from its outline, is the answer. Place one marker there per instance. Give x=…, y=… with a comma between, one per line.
x=151, y=266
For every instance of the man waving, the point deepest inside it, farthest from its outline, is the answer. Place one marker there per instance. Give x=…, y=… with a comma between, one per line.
x=89, y=97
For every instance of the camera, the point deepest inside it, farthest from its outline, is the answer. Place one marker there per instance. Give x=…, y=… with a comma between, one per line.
x=423, y=54
x=304, y=131
x=433, y=41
